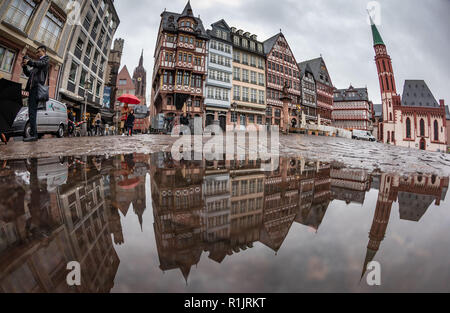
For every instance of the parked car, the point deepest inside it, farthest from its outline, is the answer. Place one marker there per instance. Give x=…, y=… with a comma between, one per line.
x=51, y=119
x=363, y=135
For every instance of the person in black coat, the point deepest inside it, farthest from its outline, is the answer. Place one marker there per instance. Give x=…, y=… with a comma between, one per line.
x=129, y=124
x=38, y=74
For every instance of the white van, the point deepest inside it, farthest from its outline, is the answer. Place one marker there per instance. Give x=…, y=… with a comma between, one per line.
x=363, y=135
x=51, y=119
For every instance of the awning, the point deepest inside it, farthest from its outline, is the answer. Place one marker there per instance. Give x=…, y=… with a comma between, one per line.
x=249, y=112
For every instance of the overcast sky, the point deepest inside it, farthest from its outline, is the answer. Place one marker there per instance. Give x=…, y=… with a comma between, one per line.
x=416, y=33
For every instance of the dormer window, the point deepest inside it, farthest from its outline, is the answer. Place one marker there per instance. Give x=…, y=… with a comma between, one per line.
x=182, y=24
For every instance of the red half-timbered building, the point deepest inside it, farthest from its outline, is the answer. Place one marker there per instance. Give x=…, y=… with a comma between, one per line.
x=281, y=69
x=180, y=66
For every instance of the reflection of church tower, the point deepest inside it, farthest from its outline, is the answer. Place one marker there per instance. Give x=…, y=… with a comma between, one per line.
x=386, y=196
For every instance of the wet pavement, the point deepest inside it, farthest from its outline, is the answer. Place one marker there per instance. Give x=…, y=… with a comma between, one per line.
x=357, y=154
x=145, y=223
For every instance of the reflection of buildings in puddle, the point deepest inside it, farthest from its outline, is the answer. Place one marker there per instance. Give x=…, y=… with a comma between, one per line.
x=229, y=206
x=219, y=207
x=350, y=185
x=415, y=194
x=71, y=226
x=240, y=204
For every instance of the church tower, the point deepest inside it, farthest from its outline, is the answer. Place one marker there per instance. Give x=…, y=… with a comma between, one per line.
x=140, y=80
x=387, y=86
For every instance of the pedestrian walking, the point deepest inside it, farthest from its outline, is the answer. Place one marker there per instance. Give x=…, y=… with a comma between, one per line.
x=37, y=73
x=130, y=123
x=98, y=121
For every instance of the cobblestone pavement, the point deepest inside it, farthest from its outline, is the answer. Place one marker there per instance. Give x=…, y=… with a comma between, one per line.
x=345, y=152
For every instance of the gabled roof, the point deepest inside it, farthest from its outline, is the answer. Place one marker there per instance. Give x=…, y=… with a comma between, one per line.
x=351, y=94
x=378, y=108
x=305, y=68
x=269, y=43
x=124, y=74
x=416, y=93
x=318, y=67
x=222, y=24
x=412, y=206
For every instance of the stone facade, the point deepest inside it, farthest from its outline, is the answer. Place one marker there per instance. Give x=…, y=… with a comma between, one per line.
x=84, y=76
x=112, y=70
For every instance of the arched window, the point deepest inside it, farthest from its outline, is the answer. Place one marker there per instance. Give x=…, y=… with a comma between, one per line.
x=436, y=131
x=387, y=83
x=422, y=128
x=390, y=116
x=408, y=128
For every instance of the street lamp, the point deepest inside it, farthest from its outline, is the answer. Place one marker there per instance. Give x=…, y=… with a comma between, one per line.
x=87, y=86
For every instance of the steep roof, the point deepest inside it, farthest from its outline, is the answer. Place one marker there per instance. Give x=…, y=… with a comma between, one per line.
x=169, y=21
x=416, y=93
x=221, y=23
x=125, y=75
x=351, y=94
x=447, y=112
x=378, y=108
x=305, y=68
x=412, y=206
x=377, y=40
x=188, y=10
x=269, y=43
x=318, y=67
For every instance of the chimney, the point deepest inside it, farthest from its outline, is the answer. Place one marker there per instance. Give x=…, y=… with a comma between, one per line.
x=442, y=103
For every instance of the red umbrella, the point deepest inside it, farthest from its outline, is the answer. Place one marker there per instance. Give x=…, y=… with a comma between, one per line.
x=129, y=99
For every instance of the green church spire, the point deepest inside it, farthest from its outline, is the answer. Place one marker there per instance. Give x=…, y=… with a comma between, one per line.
x=377, y=40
